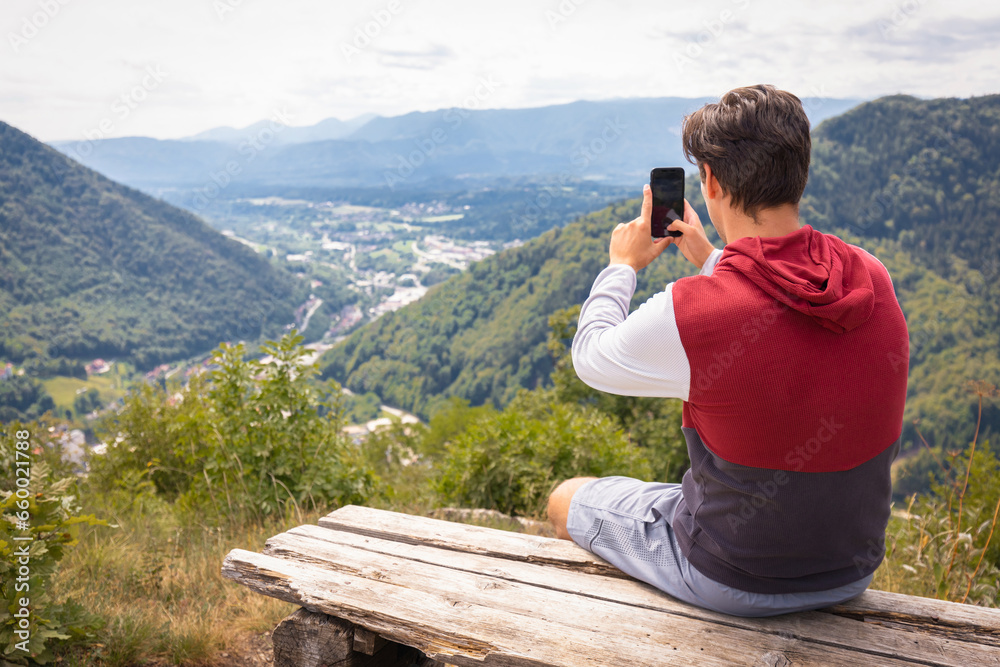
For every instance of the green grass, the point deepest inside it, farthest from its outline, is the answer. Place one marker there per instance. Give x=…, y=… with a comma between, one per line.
x=404, y=249
x=64, y=389
x=158, y=585
x=351, y=208
x=443, y=218
x=386, y=226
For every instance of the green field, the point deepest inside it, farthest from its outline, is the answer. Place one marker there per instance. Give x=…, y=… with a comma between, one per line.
x=404, y=249
x=443, y=218
x=388, y=226
x=64, y=389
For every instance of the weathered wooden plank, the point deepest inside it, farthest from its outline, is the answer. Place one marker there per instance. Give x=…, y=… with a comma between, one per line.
x=464, y=513
x=951, y=617
x=451, y=630
x=948, y=647
x=494, y=577
x=470, y=539
x=478, y=634
x=394, y=526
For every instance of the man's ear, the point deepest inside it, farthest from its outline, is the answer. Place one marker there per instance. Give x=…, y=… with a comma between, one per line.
x=711, y=184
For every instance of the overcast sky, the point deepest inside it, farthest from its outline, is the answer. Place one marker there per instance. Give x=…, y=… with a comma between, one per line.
x=172, y=68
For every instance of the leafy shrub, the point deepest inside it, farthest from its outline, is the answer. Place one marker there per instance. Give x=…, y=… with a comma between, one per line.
x=510, y=461
x=162, y=437
x=278, y=437
x=49, y=507
x=250, y=440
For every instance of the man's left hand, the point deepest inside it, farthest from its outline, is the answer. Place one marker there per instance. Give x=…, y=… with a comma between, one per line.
x=632, y=242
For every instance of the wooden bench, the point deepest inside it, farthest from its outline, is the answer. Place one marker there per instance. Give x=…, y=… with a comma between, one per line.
x=377, y=587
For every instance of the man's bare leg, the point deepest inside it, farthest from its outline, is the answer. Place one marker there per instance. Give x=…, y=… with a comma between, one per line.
x=559, y=501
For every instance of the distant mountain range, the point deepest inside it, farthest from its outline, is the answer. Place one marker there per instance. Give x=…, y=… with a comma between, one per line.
x=92, y=268
x=331, y=128
x=615, y=142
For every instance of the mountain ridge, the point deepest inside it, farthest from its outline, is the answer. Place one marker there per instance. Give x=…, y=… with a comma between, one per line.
x=90, y=267
x=328, y=128
x=613, y=141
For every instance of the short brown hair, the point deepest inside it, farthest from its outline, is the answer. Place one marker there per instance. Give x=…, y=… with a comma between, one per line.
x=756, y=139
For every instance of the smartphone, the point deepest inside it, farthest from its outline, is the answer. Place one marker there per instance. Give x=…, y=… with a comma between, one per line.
x=667, y=184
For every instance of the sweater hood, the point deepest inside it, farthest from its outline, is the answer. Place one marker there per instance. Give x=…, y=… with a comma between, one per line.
x=816, y=274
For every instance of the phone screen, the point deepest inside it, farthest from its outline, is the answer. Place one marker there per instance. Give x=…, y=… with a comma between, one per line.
x=667, y=184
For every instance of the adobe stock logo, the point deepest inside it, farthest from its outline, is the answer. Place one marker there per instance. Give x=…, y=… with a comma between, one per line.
x=562, y=13
x=252, y=146
x=369, y=32
x=425, y=147
x=593, y=149
x=223, y=7
x=797, y=457
x=902, y=14
x=121, y=108
x=588, y=152
x=32, y=25
x=805, y=452
x=867, y=562
x=750, y=332
x=704, y=39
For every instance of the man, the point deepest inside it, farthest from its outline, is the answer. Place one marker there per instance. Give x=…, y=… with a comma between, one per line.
x=785, y=352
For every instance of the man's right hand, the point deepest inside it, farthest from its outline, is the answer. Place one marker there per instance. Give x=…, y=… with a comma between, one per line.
x=694, y=244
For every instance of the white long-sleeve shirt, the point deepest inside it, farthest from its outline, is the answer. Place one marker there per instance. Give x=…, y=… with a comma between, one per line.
x=633, y=355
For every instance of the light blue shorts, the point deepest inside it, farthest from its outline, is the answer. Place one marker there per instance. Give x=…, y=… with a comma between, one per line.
x=627, y=522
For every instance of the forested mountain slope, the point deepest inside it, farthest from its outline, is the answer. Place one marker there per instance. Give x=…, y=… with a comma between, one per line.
x=924, y=171
x=91, y=268
x=482, y=335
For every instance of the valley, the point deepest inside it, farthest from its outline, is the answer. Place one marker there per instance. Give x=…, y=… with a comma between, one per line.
x=360, y=261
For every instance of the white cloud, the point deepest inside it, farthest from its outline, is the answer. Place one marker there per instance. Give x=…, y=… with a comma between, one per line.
x=237, y=66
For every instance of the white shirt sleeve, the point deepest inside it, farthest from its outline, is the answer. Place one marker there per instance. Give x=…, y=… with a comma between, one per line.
x=632, y=355
x=713, y=259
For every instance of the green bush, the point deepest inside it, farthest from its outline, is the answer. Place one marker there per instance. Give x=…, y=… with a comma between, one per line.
x=161, y=437
x=48, y=506
x=511, y=460
x=249, y=441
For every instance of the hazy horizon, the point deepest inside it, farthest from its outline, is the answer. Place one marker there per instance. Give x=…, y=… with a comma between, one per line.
x=404, y=113
x=171, y=70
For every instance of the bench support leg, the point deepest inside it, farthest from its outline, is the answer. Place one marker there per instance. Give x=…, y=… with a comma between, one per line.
x=306, y=639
